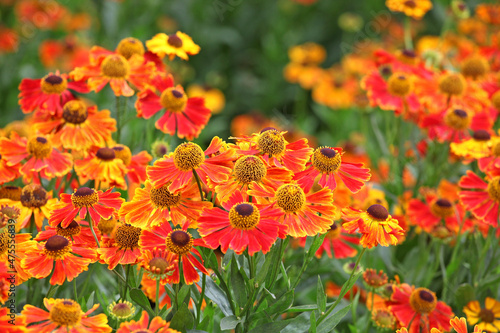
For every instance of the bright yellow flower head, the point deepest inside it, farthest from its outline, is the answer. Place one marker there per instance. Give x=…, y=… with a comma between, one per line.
x=178, y=44
x=412, y=8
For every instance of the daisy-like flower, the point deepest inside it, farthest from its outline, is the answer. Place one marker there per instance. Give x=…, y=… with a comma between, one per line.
x=158, y=264
x=181, y=244
x=113, y=68
x=79, y=128
x=121, y=310
x=103, y=167
x=480, y=197
x=487, y=318
x=241, y=225
x=35, y=201
x=64, y=315
x=178, y=44
x=327, y=162
x=122, y=248
x=374, y=279
x=420, y=308
x=183, y=116
x=150, y=206
x=303, y=214
x=135, y=164
x=97, y=203
x=272, y=146
x=157, y=325
x=6, y=322
x=343, y=246
x=74, y=232
x=412, y=8
x=48, y=94
x=39, y=154
x=178, y=167
x=375, y=225
x=247, y=171
x=57, y=255
x=383, y=319
x=476, y=147
x=23, y=244
x=460, y=326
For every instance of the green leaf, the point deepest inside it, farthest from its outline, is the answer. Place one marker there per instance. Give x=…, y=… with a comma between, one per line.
x=332, y=320
x=184, y=293
x=346, y=287
x=271, y=257
x=301, y=323
x=230, y=322
x=90, y=301
x=320, y=296
x=313, y=323
x=272, y=327
x=182, y=319
x=464, y=294
x=282, y=304
x=140, y=298
x=215, y=293
x=52, y=292
x=237, y=284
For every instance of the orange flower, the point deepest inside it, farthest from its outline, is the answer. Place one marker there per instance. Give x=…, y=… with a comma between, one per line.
x=476, y=147
x=74, y=232
x=157, y=325
x=8, y=172
x=23, y=244
x=64, y=315
x=79, y=128
x=343, y=246
x=41, y=14
x=64, y=54
x=103, y=167
x=178, y=44
x=488, y=13
x=96, y=203
x=113, y=68
x=487, y=318
x=178, y=167
x=412, y=8
x=41, y=157
x=9, y=40
x=150, y=206
x=6, y=322
x=122, y=248
x=375, y=225
x=304, y=214
x=214, y=98
x=57, y=256
x=158, y=264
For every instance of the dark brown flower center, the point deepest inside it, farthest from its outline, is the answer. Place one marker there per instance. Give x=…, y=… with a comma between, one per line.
x=34, y=196
x=105, y=154
x=56, y=243
x=378, y=212
x=174, y=41
x=481, y=135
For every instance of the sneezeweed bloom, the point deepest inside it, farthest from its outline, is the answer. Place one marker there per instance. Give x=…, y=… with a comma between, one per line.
x=64, y=315
x=487, y=318
x=157, y=325
x=49, y=94
x=249, y=170
x=327, y=162
x=179, y=242
x=35, y=202
x=476, y=147
x=241, y=225
x=129, y=46
x=383, y=319
x=460, y=326
x=452, y=84
x=113, y=68
x=121, y=310
x=8, y=213
x=158, y=264
x=413, y=8
x=475, y=67
x=178, y=44
x=480, y=197
x=97, y=203
x=184, y=117
x=57, y=255
x=79, y=128
x=272, y=146
x=375, y=224
x=434, y=210
x=374, y=279
x=214, y=98
x=23, y=244
x=420, y=308
x=177, y=168
x=103, y=167
x=336, y=243
x=41, y=157
x=122, y=248
x=77, y=232
x=150, y=206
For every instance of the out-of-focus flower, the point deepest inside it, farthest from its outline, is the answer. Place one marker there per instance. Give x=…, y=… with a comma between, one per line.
x=412, y=8
x=178, y=44
x=9, y=40
x=214, y=98
x=487, y=318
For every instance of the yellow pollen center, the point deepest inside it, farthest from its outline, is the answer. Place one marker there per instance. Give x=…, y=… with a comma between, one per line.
x=173, y=99
x=34, y=196
x=75, y=112
x=423, y=300
x=179, y=242
x=10, y=192
x=163, y=198
x=159, y=266
x=123, y=153
x=4, y=241
x=73, y=229
x=127, y=237
x=66, y=313
x=244, y=216
x=442, y=208
x=383, y=318
x=107, y=226
x=452, y=84
x=188, y=156
x=271, y=142
x=457, y=119
x=84, y=197
x=57, y=247
x=399, y=85
x=290, y=197
x=53, y=84
x=494, y=189
x=39, y=147
x=475, y=67
x=249, y=169
x=115, y=66
x=326, y=160
x=130, y=46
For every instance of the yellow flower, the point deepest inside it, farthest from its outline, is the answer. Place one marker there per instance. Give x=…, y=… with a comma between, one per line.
x=178, y=44
x=412, y=8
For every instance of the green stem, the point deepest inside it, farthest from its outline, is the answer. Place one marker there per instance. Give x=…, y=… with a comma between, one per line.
x=276, y=266
x=127, y=274
x=52, y=286
x=157, y=299
x=74, y=289
x=198, y=181
x=407, y=32
x=337, y=301
x=118, y=122
x=91, y=224
x=200, y=302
